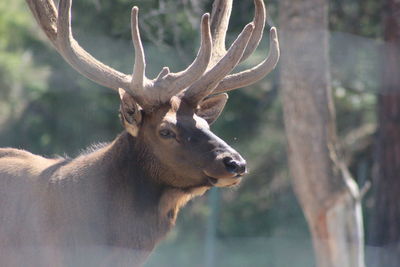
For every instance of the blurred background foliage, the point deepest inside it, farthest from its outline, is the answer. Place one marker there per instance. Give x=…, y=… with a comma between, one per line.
x=49, y=109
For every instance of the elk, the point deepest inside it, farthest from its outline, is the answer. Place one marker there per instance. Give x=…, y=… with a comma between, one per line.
x=114, y=204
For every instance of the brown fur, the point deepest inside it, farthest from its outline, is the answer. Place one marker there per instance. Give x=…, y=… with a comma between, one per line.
x=118, y=201
x=70, y=197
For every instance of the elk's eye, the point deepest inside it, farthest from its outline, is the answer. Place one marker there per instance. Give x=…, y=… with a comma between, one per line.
x=166, y=133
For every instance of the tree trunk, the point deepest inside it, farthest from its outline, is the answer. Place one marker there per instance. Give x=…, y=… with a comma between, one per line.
x=328, y=195
x=385, y=225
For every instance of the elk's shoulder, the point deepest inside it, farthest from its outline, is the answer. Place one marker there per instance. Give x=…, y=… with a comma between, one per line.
x=14, y=153
x=16, y=162
x=20, y=154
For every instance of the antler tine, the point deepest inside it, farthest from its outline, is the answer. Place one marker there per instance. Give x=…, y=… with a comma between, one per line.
x=194, y=71
x=221, y=12
x=220, y=20
x=138, y=75
x=81, y=60
x=202, y=87
x=259, y=23
x=45, y=14
x=255, y=74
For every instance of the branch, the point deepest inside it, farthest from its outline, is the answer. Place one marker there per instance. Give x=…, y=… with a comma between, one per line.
x=357, y=140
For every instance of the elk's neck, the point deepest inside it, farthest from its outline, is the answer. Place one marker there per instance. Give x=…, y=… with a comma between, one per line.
x=123, y=179
x=136, y=163
x=130, y=166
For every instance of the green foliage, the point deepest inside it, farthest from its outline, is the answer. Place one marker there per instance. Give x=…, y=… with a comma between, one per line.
x=357, y=17
x=20, y=78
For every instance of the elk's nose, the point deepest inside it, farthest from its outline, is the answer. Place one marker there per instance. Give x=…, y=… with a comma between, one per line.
x=235, y=166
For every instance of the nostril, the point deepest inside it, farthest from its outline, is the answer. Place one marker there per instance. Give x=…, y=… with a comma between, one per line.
x=231, y=165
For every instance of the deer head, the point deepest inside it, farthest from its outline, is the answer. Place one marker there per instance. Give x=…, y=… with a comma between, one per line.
x=171, y=113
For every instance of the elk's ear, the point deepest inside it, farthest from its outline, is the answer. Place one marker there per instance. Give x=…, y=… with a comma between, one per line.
x=211, y=107
x=130, y=112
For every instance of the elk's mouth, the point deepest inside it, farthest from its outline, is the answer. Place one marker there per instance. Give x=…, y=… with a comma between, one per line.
x=224, y=182
x=212, y=181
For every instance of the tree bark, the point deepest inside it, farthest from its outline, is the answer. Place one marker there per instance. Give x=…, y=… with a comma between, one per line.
x=385, y=219
x=328, y=195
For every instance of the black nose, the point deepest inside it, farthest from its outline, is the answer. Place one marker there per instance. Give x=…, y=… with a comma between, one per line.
x=234, y=166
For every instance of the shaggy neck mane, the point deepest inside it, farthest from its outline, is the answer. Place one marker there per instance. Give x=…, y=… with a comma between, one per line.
x=137, y=166
x=133, y=176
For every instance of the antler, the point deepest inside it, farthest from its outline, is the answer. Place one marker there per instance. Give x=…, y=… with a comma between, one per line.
x=148, y=93
x=208, y=74
x=216, y=78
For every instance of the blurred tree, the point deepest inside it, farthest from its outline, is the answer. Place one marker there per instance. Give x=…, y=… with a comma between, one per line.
x=385, y=220
x=327, y=193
